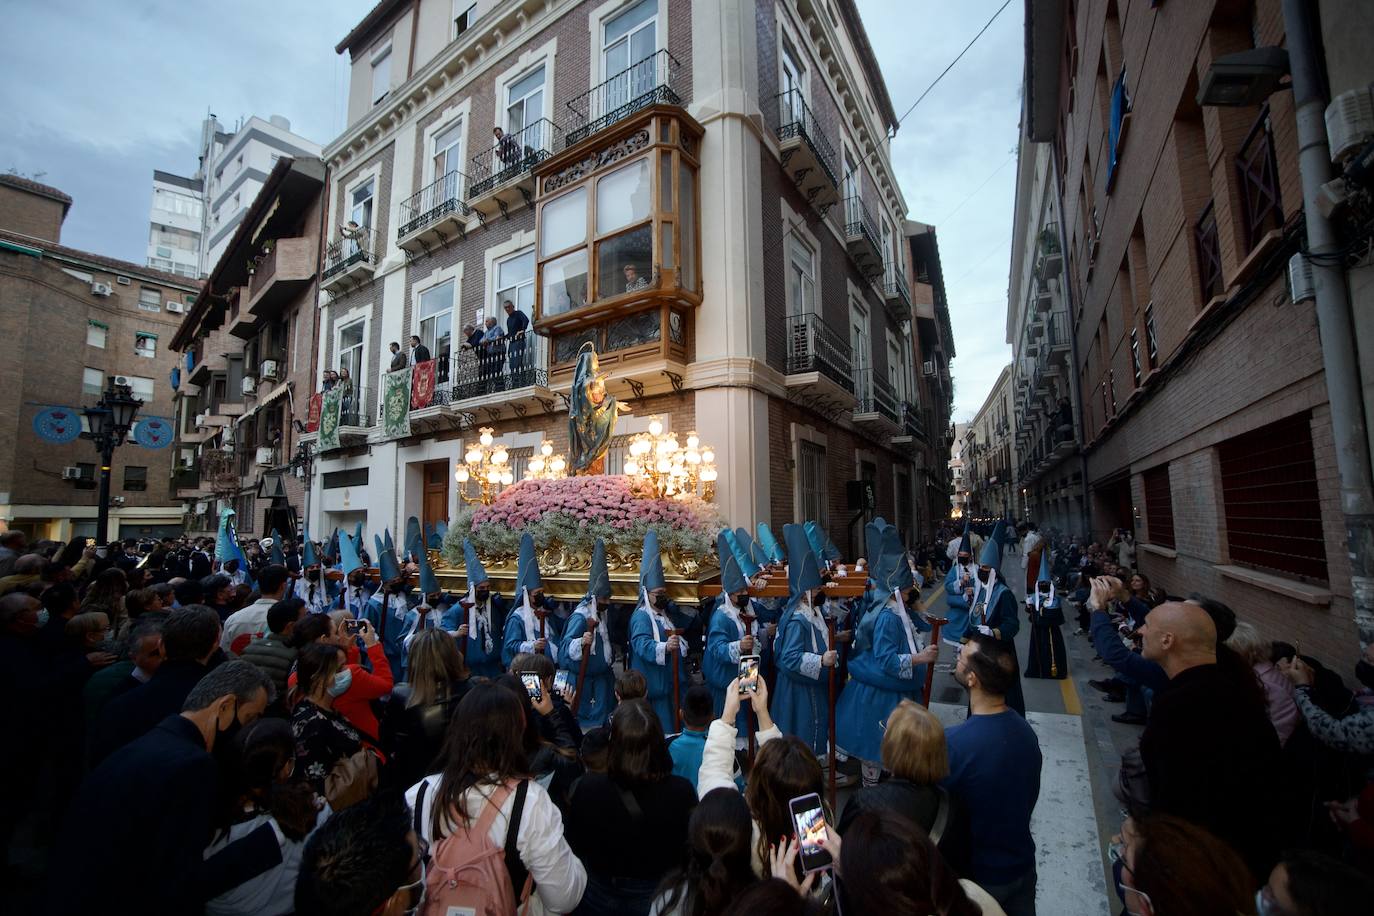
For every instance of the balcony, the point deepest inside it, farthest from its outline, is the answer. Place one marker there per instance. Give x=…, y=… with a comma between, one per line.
x=281, y=275
x=877, y=400
x=807, y=154
x=896, y=294
x=1258, y=174
x=819, y=364
x=861, y=237
x=434, y=215
x=503, y=176
x=912, y=426
x=647, y=350
x=243, y=324
x=185, y=483
x=651, y=81
x=357, y=416
x=502, y=378
x=1057, y=341
x=1208, y=244
x=349, y=262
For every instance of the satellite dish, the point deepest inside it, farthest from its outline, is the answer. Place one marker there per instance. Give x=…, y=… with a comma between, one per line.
x=351, y=230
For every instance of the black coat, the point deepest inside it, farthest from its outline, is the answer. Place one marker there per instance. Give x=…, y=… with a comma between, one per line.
x=138, y=828
x=422, y=354
x=398, y=360
x=133, y=714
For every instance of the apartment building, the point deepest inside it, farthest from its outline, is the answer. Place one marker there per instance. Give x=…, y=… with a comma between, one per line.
x=71, y=320
x=989, y=455
x=934, y=341
x=1204, y=412
x=1049, y=472
x=958, y=479
x=704, y=191
x=193, y=219
x=247, y=357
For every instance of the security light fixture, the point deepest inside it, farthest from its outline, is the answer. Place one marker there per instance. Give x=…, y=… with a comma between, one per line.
x=1245, y=78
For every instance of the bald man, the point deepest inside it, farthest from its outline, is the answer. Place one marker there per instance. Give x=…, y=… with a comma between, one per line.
x=1211, y=755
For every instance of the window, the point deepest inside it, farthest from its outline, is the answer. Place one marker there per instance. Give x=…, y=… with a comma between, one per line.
x=447, y=156
x=87, y=479
x=625, y=261
x=1111, y=384
x=525, y=105
x=237, y=200
x=238, y=164
x=1151, y=340
x=851, y=177
x=436, y=319
x=360, y=209
x=464, y=14
x=142, y=388
x=1159, y=507
x=801, y=284
x=628, y=39
x=135, y=478
x=149, y=299
x=95, y=334
x=337, y=480
x=860, y=346
x=895, y=376
x=381, y=73
x=92, y=382
x=1120, y=106
x=351, y=339
x=515, y=282
x=1272, y=502
x=793, y=85
x=1135, y=356
x=145, y=344
x=813, y=484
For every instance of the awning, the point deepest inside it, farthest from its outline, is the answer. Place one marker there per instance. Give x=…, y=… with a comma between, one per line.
x=271, y=486
x=273, y=394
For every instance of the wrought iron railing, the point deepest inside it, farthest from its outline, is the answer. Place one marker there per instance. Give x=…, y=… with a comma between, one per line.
x=432, y=203
x=912, y=424
x=185, y=478
x=264, y=269
x=342, y=253
x=1259, y=182
x=503, y=365
x=894, y=284
x=796, y=119
x=1056, y=330
x=815, y=346
x=651, y=81
x=859, y=222
x=1208, y=243
x=875, y=395
x=512, y=156
x=358, y=407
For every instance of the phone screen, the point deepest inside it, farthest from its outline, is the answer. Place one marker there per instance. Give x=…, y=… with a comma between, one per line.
x=748, y=669
x=352, y=626
x=532, y=685
x=808, y=818
x=562, y=681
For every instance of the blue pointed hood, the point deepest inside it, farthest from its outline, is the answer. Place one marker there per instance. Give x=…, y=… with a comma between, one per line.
x=527, y=571
x=731, y=579
x=815, y=539
x=429, y=585
x=386, y=540
x=992, y=548
x=599, y=577
x=651, y=564
x=308, y=557
x=740, y=553
x=348, y=554
x=770, y=544
x=415, y=540
x=387, y=565
x=751, y=550
x=873, y=546
x=275, y=555
x=966, y=542
x=358, y=536
x=475, y=571
x=803, y=570
x=1044, y=575
x=896, y=570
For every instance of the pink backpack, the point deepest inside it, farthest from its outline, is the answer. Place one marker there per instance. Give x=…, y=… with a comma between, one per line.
x=467, y=870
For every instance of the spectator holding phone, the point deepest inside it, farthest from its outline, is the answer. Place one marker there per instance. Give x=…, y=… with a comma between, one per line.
x=362, y=687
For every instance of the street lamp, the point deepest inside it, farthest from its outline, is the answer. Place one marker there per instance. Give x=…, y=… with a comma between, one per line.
x=110, y=421
x=487, y=463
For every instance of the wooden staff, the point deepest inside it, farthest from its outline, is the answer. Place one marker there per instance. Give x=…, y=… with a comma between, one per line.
x=935, y=624
x=748, y=621
x=582, y=667
x=830, y=628
x=677, y=705
x=467, y=622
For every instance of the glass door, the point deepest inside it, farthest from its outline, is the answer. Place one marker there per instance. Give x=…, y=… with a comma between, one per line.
x=629, y=40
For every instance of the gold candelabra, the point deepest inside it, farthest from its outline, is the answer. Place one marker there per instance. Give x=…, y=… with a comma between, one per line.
x=486, y=463
x=673, y=470
x=546, y=465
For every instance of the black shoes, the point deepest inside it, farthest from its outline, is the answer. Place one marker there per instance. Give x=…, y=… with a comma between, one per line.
x=1127, y=718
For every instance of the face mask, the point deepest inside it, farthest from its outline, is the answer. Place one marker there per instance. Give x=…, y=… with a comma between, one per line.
x=911, y=596
x=983, y=575
x=482, y=595
x=342, y=681
x=537, y=601
x=1364, y=672
x=225, y=736
x=661, y=602
x=742, y=601
x=602, y=607
x=313, y=575
x=43, y=617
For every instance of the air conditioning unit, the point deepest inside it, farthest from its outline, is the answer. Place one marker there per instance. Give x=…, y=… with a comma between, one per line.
x=265, y=458
x=123, y=380
x=268, y=369
x=201, y=418
x=101, y=289
x=123, y=280
x=1349, y=123
x=71, y=473
x=1301, y=285
x=174, y=306
x=928, y=368
x=1044, y=301
x=249, y=386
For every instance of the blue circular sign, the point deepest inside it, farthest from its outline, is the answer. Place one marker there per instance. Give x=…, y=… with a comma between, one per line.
x=59, y=425
x=153, y=432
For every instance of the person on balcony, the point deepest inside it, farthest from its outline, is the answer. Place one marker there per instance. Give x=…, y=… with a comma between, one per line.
x=493, y=353
x=633, y=281
x=517, y=323
x=398, y=359
x=506, y=147
x=419, y=353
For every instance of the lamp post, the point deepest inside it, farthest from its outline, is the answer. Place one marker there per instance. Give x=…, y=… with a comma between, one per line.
x=110, y=421
x=301, y=463
x=488, y=464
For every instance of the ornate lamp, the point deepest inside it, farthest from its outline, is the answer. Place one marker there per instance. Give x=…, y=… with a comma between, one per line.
x=546, y=465
x=673, y=470
x=486, y=464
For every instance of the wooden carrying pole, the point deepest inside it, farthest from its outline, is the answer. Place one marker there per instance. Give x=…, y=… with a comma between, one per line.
x=830, y=627
x=748, y=621
x=677, y=702
x=467, y=622
x=582, y=669
x=935, y=624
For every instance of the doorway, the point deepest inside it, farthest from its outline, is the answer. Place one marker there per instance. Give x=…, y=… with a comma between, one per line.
x=435, y=505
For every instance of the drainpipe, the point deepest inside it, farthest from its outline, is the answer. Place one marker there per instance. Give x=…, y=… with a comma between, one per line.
x=1333, y=316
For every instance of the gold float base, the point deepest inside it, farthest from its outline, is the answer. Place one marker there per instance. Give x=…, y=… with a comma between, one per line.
x=565, y=573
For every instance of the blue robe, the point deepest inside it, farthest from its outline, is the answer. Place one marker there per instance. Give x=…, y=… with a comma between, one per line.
x=957, y=614
x=320, y=603
x=355, y=604
x=598, y=689
x=649, y=656
x=481, y=662
x=880, y=678
x=522, y=630
x=1004, y=616
x=801, y=703
x=720, y=664
x=389, y=621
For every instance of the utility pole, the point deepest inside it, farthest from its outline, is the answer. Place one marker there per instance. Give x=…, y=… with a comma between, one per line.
x=1333, y=315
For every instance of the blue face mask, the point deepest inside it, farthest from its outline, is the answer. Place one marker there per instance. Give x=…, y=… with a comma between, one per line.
x=43, y=617
x=342, y=681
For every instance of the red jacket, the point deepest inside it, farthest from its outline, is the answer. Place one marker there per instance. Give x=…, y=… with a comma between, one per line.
x=356, y=704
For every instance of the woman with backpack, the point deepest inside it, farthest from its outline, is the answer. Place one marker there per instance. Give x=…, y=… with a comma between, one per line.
x=495, y=837
x=629, y=824
x=420, y=710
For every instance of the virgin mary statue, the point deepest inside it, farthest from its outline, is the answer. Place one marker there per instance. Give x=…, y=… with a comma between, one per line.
x=591, y=415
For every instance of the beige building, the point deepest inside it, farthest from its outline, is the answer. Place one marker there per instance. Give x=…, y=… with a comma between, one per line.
x=989, y=455
x=958, y=478
x=69, y=321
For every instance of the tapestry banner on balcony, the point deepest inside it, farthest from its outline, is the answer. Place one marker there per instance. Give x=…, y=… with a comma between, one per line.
x=422, y=384
x=329, y=419
x=396, y=403
x=312, y=418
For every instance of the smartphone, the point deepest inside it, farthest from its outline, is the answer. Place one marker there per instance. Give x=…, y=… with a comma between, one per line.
x=352, y=626
x=90, y=542
x=748, y=668
x=808, y=819
x=562, y=681
x=532, y=685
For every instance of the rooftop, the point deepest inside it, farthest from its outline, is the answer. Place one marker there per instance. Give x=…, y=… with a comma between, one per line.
x=375, y=17
x=190, y=184
x=34, y=187
x=98, y=261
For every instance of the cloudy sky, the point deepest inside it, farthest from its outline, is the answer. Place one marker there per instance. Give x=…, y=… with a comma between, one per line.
x=138, y=76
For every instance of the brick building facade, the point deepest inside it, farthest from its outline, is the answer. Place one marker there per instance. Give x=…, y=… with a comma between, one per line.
x=69, y=320
x=785, y=333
